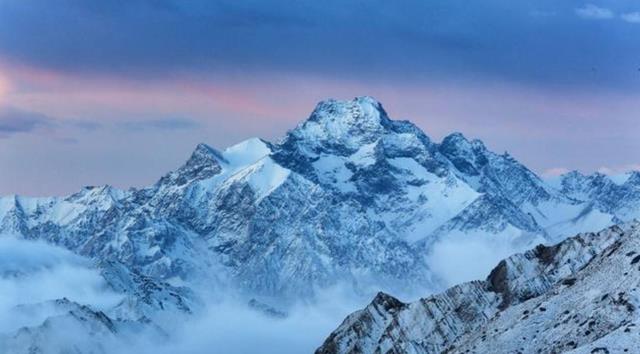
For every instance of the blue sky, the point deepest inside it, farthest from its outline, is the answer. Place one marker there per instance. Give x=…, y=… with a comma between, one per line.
x=119, y=92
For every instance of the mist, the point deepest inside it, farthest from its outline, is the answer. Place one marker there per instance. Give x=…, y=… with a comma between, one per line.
x=230, y=326
x=32, y=273
x=465, y=257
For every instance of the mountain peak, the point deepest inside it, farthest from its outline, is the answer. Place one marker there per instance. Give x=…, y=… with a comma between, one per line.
x=204, y=163
x=467, y=156
x=342, y=126
x=573, y=174
x=204, y=151
x=363, y=112
x=457, y=141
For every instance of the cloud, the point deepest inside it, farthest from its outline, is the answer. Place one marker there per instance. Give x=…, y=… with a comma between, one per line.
x=232, y=327
x=165, y=124
x=593, y=12
x=14, y=121
x=4, y=87
x=32, y=273
x=214, y=40
x=543, y=13
x=616, y=170
x=631, y=17
x=555, y=171
x=85, y=125
x=460, y=258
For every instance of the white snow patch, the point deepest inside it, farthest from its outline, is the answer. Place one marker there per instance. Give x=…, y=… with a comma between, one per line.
x=365, y=156
x=332, y=170
x=263, y=176
x=65, y=212
x=553, y=212
x=441, y=198
x=591, y=220
x=246, y=152
x=620, y=179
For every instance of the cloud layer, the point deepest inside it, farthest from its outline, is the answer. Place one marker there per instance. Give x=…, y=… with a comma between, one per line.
x=32, y=273
x=413, y=40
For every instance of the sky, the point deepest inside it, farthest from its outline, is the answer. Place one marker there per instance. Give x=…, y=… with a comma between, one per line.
x=120, y=92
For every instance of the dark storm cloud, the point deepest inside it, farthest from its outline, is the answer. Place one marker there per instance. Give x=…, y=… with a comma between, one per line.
x=539, y=42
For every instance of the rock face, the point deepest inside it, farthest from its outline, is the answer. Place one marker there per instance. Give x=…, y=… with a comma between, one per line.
x=349, y=195
x=576, y=296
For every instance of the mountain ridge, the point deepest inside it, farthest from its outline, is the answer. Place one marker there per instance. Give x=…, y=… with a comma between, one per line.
x=349, y=197
x=477, y=316
x=395, y=184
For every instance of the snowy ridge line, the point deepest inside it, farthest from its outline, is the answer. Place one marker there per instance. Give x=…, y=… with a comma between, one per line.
x=516, y=308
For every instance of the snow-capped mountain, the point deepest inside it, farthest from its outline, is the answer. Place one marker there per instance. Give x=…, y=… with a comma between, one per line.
x=577, y=296
x=348, y=195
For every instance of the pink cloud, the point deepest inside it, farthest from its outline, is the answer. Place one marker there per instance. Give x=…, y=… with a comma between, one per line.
x=616, y=170
x=555, y=171
x=4, y=87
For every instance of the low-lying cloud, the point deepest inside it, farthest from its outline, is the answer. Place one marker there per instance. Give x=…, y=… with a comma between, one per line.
x=231, y=327
x=462, y=258
x=33, y=273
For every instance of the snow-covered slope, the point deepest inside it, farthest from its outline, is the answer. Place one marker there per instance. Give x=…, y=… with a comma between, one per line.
x=578, y=295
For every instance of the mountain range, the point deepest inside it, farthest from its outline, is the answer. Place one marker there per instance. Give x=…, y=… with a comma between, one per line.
x=349, y=196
